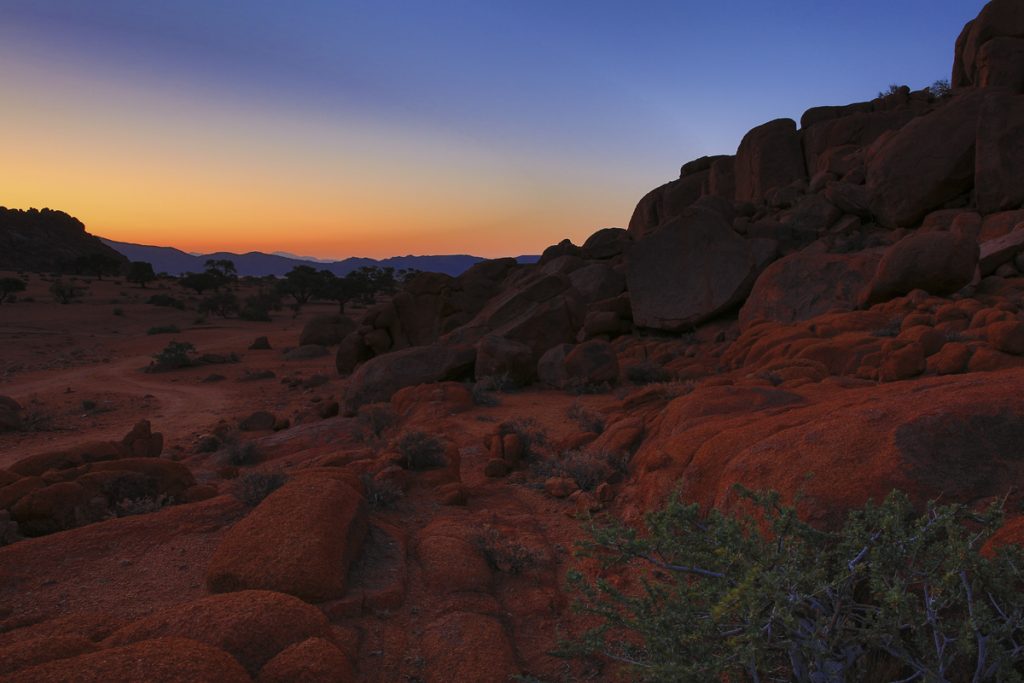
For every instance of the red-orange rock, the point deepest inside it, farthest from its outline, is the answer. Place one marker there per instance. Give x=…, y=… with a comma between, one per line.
x=560, y=487
x=252, y=626
x=464, y=646
x=903, y=363
x=40, y=650
x=315, y=660
x=1007, y=336
x=161, y=660
x=300, y=540
x=937, y=262
x=950, y=360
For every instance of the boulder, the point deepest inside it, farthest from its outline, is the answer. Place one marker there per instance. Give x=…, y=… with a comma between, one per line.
x=142, y=442
x=666, y=202
x=924, y=164
x=688, y=271
x=768, y=157
x=315, y=660
x=497, y=357
x=56, y=507
x=464, y=646
x=159, y=660
x=35, y=651
x=326, y=330
x=551, y=366
x=301, y=540
x=994, y=253
x=1001, y=64
x=378, y=378
x=722, y=178
x=606, y=243
x=592, y=362
x=260, y=344
x=806, y=284
x=352, y=351
x=597, y=281
x=252, y=626
x=999, y=157
x=259, y=421
x=851, y=132
x=937, y=262
x=10, y=414
x=998, y=18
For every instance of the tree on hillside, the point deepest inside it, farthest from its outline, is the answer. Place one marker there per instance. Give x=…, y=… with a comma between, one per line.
x=9, y=286
x=140, y=272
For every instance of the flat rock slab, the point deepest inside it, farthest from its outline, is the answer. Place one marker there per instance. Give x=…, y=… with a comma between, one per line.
x=301, y=540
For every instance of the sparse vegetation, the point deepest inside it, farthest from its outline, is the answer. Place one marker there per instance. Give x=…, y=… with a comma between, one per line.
x=376, y=420
x=241, y=454
x=483, y=395
x=588, y=420
x=175, y=355
x=381, y=493
x=252, y=487
x=163, y=329
x=9, y=287
x=129, y=507
x=65, y=291
x=504, y=553
x=531, y=435
x=941, y=88
x=893, y=595
x=420, y=451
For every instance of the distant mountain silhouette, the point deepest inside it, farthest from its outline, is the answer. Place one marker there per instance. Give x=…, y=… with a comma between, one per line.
x=44, y=240
x=175, y=262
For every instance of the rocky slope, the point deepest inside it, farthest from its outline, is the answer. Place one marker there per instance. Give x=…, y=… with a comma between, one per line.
x=45, y=240
x=834, y=311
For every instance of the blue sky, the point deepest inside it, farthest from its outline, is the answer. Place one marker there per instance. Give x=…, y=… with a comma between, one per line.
x=555, y=117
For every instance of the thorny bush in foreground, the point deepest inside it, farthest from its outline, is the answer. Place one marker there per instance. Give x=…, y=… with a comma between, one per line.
x=893, y=596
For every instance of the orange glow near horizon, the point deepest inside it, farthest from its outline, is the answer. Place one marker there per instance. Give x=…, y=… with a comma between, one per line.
x=204, y=172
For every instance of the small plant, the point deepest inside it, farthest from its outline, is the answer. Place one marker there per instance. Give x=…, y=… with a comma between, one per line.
x=381, y=493
x=531, y=435
x=588, y=420
x=894, y=89
x=376, y=420
x=505, y=554
x=65, y=291
x=893, y=595
x=163, y=329
x=129, y=507
x=9, y=286
x=421, y=451
x=587, y=470
x=241, y=454
x=175, y=355
x=252, y=487
x=118, y=311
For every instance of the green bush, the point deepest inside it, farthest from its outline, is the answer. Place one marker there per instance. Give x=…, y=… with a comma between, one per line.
x=894, y=595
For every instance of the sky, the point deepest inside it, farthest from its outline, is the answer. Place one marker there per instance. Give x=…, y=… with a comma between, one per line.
x=337, y=128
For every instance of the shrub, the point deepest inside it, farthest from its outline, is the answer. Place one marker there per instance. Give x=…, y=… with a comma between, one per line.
x=163, y=329
x=175, y=355
x=375, y=420
x=505, y=554
x=588, y=420
x=764, y=596
x=420, y=451
x=241, y=454
x=166, y=301
x=119, y=312
x=9, y=286
x=224, y=304
x=531, y=435
x=65, y=291
x=588, y=470
x=941, y=88
x=128, y=507
x=381, y=493
x=483, y=395
x=252, y=487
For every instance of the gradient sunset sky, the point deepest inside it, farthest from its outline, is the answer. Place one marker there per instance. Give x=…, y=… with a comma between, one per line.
x=380, y=128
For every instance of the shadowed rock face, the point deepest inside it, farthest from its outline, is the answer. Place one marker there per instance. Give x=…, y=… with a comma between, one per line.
x=688, y=271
